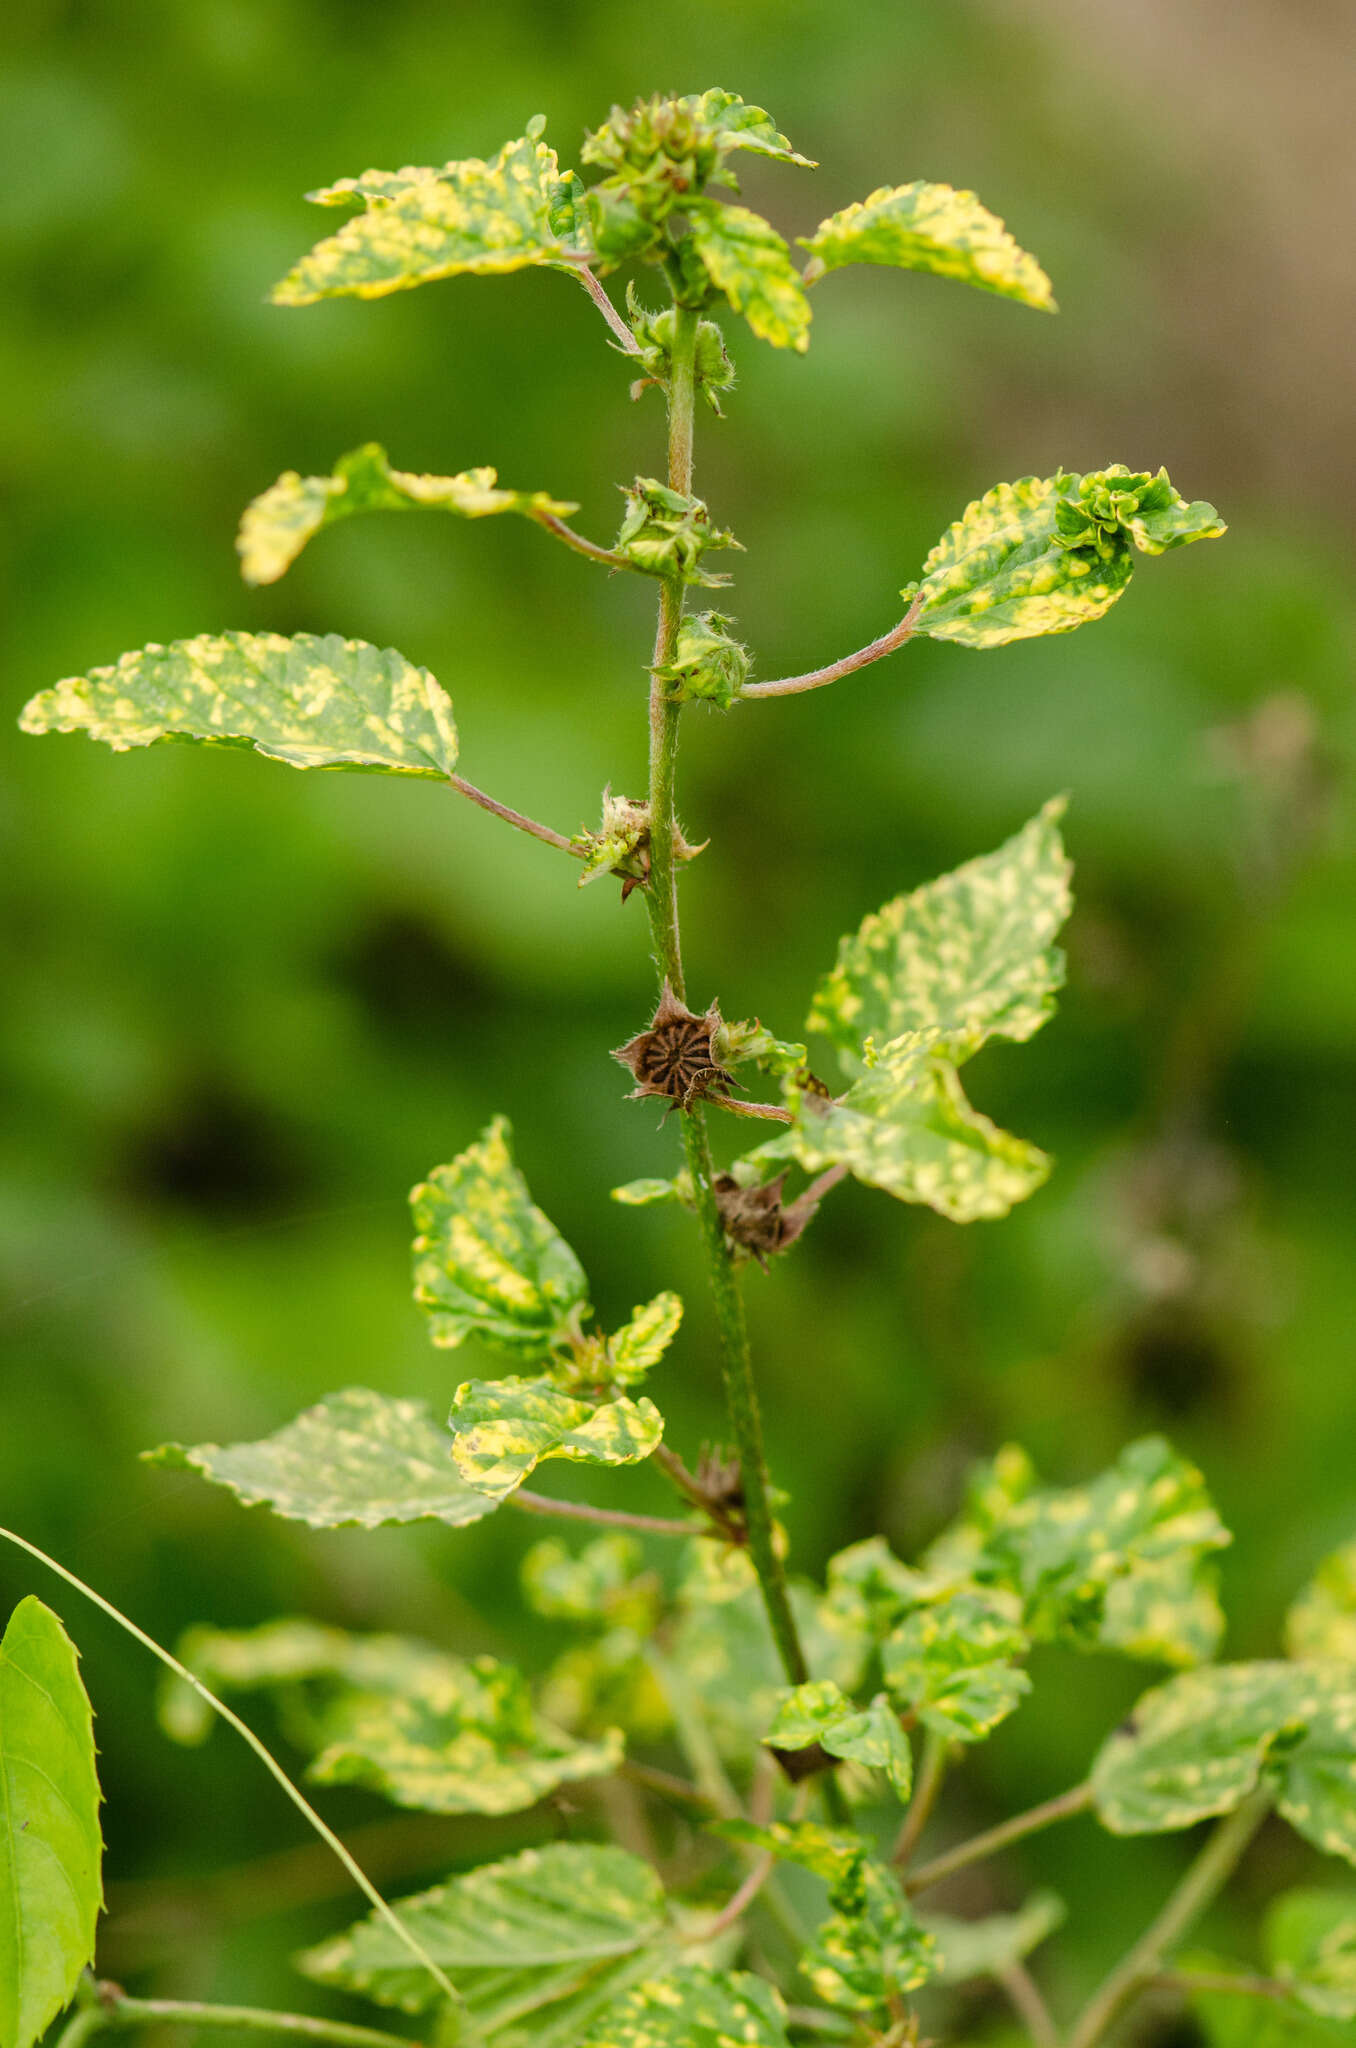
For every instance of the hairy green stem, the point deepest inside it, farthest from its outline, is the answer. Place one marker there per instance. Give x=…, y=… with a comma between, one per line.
x=931, y=1772
x=1078, y=1800
x=113, y=2008
x=662, y=896
x=265, y=1756
x=1202, y=1881
x=546, y=833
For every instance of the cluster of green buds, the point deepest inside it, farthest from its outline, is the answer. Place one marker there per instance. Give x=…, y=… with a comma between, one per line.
x=653, y=332
x=664, y=533
x=707, y=662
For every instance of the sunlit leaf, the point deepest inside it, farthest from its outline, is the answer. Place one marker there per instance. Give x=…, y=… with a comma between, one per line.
x=51, y=1850
x=820, y=1712
x=1046, y=554
x=427, y=1730
x=487, y=1262
x=555, y=1914
x=356, y=1457
x=982, y=1948
x=906, y=1127
x=313, y=701
x=276, y=525
x=688, y=2007
x=930, y=227
x=419, y=224
x=502, y=1429
x=747, y=259
x=1200, y=1743
x=951, y=1662
x=872, y=1948
x=970, y=955
x=1122, y=1563
x=1322, y=1621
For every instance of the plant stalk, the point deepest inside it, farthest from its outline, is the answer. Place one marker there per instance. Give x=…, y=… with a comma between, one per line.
x=1211, y=1869
x=993, y=1839
x=662, y=898
x=610, y=1518
x=815, y=679
x=111, y=2007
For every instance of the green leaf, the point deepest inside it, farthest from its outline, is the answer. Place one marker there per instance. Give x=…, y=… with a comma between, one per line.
x=355, y=1458
x=906, y=1127
x=983, y=1948
x=642, y=1342
x=313, y=701
x=502, y=1429
x=439, y=1733
x=276, y=525
x=554, y=1914
x=50, y=1847
x=1310, y=1939
x=930, y=227
x=819, y=1712
x=488, y=1263
x=1200, y=1743
x=969, y=956
x=747, y=259
x=872, y=1949
x=641, y=1194
x=1120, y=1564
x=951, y=1662
x=1047, y=554
x=828, y=1852
x=603, y=1583
x=737, y=126
x=419, y=224
x=1322, y=1622
x=693, y=2008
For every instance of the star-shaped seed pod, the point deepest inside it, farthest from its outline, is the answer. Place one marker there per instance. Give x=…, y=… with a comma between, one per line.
x=674, y=1056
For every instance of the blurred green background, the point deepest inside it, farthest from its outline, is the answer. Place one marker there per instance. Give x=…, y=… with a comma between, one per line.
x=245, y=1009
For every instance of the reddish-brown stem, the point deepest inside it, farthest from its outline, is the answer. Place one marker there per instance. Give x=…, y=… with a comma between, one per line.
x=610, y=1518
x=581, y=546
x=609, y=312
x=815, y=679
x=545, y=833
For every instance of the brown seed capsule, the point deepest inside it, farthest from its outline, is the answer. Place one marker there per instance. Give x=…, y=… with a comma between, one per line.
x=674, y=1056
x=756, y=1220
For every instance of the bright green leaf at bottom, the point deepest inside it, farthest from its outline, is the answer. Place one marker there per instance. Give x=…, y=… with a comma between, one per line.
x=356, y=1457
x=554, y=1912
x=313, y=701
x=501, y=1429
x=50, y=1846
x=276, y=525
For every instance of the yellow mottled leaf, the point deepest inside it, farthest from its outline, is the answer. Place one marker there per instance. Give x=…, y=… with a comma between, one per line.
x=930, y=227
x=501, y=1429
x=748, y=260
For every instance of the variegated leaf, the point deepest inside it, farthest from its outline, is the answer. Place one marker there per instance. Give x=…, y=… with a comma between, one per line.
x=737, y=126
x=439, y=1733
x=970, y=956
x=1047, y=554
x=872, y=1949
x=906, y=1127
x=1123, y=1563
x=1310, y=1941
x=952, y=1662
x=310, y=700
x=554, y=1916
x=1321, y=1623
x=488, y=1263
x=51, y=1890
x=642, y=1342
x=355, y=1458
x=1199, y=1744
x=747, y=259
x=828, y=1852
x=502, y=1429
x=930, y=227
x=602, y=1584
x=419, y=224
x=820, y=1712
x=688, y=2007
x=278, y=523
x=983, y=1948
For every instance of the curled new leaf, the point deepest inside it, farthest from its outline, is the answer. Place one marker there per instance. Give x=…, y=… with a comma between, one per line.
x=487, y=1262
x=1047, y=554
x=969, y=955
x=355, y=1458
x=930, y=227
x=872, y=1949
x=418, y=224
x=501, y=1429
x=50, y=1846
x=707, y=662
x=312, y=701
x=277, y=525
x=642, y=1342
x=820, y=1712
x=951, y=1662
x=664, y=533
x=747, y=259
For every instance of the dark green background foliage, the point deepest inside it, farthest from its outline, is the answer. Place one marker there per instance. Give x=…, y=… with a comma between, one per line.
x=244, y=1009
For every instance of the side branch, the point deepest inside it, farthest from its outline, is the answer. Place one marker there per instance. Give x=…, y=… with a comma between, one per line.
x=598, y=294
x=588, y=548
x=547, y=835
x=792, y=686
x=611, y=1518
x=1078, y=1800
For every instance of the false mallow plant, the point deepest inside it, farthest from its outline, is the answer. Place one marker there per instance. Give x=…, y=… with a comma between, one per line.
x=792, y=1741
